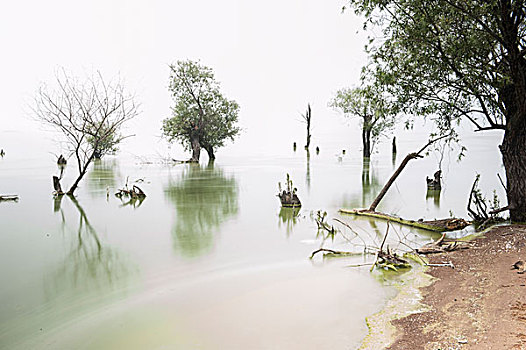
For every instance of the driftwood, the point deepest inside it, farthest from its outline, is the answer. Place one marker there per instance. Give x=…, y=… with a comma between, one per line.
x=442, y=246
x=388, y=259
x=8, y=197
x=330, y=252
x=134, y=192
x=441, y=225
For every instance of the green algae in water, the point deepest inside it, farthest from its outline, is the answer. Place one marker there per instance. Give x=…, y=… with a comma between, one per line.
x=406, y=302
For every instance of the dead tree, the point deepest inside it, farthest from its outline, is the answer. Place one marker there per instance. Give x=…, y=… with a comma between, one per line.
x=88, y=113
x=307, y=120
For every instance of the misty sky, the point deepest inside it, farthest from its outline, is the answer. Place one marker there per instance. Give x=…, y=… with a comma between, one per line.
x=272, y=57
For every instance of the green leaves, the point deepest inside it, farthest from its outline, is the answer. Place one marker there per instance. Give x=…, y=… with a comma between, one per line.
x=200, y=110
x=372, y=105
x=449, y=59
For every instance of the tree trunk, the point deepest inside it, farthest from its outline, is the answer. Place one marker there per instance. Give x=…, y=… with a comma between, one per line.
x=513, y=151
x=196, y=148
x=82, y=171
x=211, y=155
x=366, y=140
x=76, y=183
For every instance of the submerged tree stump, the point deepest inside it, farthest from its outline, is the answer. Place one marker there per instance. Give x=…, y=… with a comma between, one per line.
x=289, y=200
x=287, y=196
x=434, y=183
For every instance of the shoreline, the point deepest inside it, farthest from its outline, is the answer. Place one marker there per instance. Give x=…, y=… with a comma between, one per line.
x=480, y=304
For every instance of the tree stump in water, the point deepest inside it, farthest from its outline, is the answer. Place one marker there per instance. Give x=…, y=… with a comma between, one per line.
x=61, y=160
x=288, y=196
x=56, y=186
x=289, y=200
x=434, y=184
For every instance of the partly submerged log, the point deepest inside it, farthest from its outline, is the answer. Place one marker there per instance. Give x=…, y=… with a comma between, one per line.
x=441, y=225
x=8, y=197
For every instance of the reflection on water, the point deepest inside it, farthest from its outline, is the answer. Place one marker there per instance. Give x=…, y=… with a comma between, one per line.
x=289, y=218
x=307, y=175
x=204, y=197
x=435, y=195
x=370, y=183
x=90, y=264
x=103, y=176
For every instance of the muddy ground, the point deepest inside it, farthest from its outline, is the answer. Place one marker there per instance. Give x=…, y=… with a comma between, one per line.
x=480, y=304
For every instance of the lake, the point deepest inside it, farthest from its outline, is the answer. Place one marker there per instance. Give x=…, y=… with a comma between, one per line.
x=209, y=260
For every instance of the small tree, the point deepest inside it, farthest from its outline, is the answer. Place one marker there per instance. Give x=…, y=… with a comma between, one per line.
x=88, y=113
x=370, y=105
x=202, y=116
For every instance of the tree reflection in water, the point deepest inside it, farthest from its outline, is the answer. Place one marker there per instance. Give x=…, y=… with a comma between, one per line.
x=103, y=176
x=370, y=184
x=90, y=265
x=204, y=198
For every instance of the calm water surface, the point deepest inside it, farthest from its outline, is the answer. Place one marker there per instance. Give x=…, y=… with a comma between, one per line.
x=208, y=260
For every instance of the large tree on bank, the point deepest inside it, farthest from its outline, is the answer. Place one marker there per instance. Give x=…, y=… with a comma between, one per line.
x=202, y=116
x=458, y=59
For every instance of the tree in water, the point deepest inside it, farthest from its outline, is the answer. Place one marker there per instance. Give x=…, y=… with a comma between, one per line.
x=88, y=113
x=457, y=60
x=307, y=118
x=369, y=104
x=202, y=116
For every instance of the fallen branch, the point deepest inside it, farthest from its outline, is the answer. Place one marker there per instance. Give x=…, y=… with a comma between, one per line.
x=440, y=225
x=329, y=252
x=442, y=246
x=399, y=170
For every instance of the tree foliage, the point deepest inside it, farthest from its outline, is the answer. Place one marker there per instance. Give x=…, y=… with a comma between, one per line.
x=454, y=60
x=88, y=113
x=372, y=106
x=202, y=116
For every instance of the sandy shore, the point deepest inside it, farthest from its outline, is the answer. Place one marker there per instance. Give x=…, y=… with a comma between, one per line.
x=480, y=304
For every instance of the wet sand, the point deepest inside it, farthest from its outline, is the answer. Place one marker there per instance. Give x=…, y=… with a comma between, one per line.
x=480, y=304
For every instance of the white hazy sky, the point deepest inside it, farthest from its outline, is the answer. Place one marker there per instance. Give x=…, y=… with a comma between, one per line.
x=272, y=57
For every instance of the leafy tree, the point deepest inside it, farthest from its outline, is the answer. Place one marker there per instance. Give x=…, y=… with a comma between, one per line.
x=88, y=113
x=455, y=60
x=367, y=103
x=202, y=116
x=106, y=145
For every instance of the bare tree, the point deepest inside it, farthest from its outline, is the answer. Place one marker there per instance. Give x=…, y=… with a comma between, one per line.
x=307, y=119
x=88, y=113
